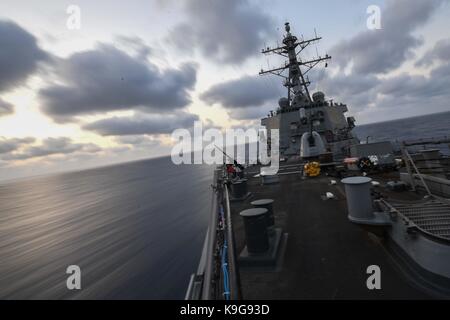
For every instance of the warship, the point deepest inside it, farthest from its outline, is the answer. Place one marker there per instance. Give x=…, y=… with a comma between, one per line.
x=341, y=219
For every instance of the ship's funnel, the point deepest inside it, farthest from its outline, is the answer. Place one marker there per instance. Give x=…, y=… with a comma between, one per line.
x=311, y=145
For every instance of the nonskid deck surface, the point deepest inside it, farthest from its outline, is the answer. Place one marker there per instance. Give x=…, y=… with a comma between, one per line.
x=326, y=256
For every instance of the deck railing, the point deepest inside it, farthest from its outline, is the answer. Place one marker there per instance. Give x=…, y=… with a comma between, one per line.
x=217, y=275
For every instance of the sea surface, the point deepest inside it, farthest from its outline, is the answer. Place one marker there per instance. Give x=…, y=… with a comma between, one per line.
x=434, y=125
x=136, y=230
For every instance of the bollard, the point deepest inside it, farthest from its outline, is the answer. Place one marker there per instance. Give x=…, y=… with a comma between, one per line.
x=359, y=201
x=256, y=230
x=239, y=188
x=267, y=204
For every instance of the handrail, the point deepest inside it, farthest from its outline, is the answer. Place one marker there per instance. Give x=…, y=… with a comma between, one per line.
x=220, y=237
x=211, y=247
x=409, y=158
x=195, y=286
x=235, y=283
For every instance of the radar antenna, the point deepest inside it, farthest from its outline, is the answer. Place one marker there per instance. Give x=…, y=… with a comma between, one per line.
x=295, y=81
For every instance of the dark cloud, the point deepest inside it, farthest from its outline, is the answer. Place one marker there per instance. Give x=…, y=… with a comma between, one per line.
x=19, y=55
x=51, y=146
x=251, y=113
x=245, y=92
x=225, y=31
x=136, y=44
x=13, y=144
x=439, y=53
x=418, y=86
x=6, y=108
x=380, y=51
x=142, y=124
x=349, y=85
x=356, y=90
x=245, y=98
x=108, y=79
x=374, y=53
x=415, y=94
x=397, y=94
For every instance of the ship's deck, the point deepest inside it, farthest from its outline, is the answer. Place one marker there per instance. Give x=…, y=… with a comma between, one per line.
x=325, y=255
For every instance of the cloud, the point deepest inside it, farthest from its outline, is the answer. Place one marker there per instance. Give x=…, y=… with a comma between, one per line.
x=136, y=44
x=248, y=124
x=6, y=108
x=245, y=98
x=12, y=144
x=439, y=53
x=136, y=140
x=381, y=51
x=418, y=86
x=51, y=146
x=248, y=91
x=225, y=31
x=415, y=94
x=142, y=124
x=394, y=96
x=19, y=55
x=357, y=90
x=139, y=143
x=251, y=113
x=371, y=93
x=108, y=79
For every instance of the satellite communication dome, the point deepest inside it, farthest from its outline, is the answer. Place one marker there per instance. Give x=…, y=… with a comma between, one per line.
x=283, y=103
x=318, y=96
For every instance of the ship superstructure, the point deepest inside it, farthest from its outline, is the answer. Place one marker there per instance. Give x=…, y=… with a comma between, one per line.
x=318, y=227
x=301, y=113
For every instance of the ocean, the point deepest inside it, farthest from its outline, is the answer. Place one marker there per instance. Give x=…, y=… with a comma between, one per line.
x=433, y=125
x=136, y=230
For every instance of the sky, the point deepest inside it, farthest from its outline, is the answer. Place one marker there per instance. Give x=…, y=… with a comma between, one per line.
x=114, y=89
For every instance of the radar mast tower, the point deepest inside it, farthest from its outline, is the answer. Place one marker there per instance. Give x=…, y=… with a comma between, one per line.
x=295, y=81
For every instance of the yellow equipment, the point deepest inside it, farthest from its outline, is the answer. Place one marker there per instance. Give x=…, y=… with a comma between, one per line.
x=312, y=169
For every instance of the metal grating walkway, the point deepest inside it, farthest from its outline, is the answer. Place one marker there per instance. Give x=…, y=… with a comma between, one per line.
x=431, y=217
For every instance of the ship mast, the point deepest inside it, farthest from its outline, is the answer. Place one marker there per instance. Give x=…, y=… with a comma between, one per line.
x=295, y=81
